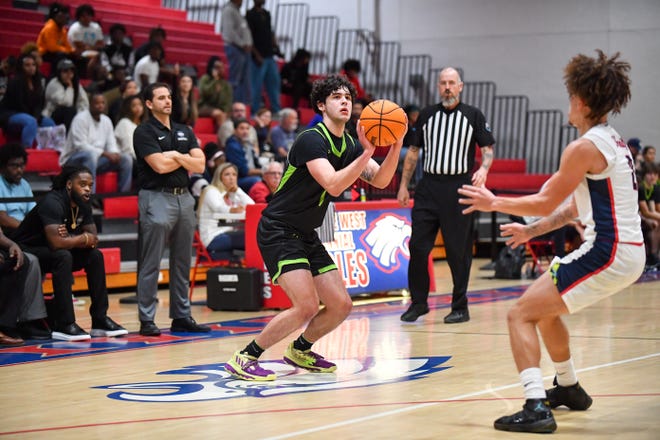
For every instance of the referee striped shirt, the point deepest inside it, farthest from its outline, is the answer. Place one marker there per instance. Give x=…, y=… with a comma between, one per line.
x=449, y=138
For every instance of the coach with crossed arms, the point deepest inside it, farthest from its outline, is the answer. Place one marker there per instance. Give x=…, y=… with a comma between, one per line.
x=449, y=133
x=166, y=152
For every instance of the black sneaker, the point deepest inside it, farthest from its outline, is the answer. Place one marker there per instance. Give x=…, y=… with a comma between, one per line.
x=70, y=332
x=148, y=328
x=36, y=329
x=535, y=416
x=414, y=312
x=188, y=325
x=106, y=327
x=457, y=316
x=573, y=397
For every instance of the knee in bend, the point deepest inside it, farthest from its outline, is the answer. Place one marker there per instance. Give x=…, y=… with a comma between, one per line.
x=62, y=258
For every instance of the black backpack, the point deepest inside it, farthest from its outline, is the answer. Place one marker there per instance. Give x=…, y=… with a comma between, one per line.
x=509, y=263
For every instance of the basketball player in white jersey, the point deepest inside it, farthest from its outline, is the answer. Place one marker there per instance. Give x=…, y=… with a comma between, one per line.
x=598, y=171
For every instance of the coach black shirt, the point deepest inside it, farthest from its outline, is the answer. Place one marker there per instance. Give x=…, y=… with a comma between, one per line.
x=300, y=200
x=53, y=209
x=153, y=137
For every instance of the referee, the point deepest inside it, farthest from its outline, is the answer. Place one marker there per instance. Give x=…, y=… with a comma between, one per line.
x=449, y=133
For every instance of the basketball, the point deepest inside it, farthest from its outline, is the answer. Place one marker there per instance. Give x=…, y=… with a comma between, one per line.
x=384, y=122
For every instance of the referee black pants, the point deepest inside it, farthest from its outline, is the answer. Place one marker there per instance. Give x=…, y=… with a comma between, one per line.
x=436, y=208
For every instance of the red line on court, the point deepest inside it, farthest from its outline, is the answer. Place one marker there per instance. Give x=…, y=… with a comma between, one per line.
x=289, y=410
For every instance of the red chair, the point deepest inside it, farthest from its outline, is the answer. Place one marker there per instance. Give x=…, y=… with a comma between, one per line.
x=202, y=258
x=542, y=251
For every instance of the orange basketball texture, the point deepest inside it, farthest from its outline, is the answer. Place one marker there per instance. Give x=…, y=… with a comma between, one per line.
x=384, y=122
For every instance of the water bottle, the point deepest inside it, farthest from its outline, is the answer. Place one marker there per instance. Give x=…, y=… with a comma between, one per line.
x=363, y=195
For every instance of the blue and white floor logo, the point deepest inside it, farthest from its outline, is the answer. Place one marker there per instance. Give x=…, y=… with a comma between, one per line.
x=217, y=384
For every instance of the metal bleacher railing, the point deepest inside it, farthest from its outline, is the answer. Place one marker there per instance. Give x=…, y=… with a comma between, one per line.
x=535, y=135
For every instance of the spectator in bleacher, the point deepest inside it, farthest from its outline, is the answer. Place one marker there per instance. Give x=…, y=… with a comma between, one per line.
x=184, y=102
x=238, y=111
x=148, y=67
x=65, y=96
x=215, y=92
x=648, y=155
x=262, y=191
x=295, y=77
x=166, y=153
x=31, y=48
x=91, y=143
x=128, y=87
x=356, y=111
x=283, y=135
x=22, y=307
x=101, y=81
x=61, y=232
x=412, y=111
x=649, y=209
x=262, y=125
x=238, y=48
x=131, y=115
x=53, y=41
x=7, y=72
x=351, y=69
x=118, y=53
x=241, y=152
x=20, y=109
x=13, y=159
x=86, y=37
x=635, y=147
x=265, y=71
x=214, y=158
x=222, y=196
x=156, y=35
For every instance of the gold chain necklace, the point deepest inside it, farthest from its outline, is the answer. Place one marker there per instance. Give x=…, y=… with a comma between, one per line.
x=74, y=217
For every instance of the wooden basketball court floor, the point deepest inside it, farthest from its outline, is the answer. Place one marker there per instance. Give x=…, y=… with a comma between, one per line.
x=395, y=381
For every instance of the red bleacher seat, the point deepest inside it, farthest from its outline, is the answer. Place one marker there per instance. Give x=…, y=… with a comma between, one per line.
x=205, y=125
x=106, y=182
x=306, y=115
x=43, y=161
x=120, y=207
x=205, y=138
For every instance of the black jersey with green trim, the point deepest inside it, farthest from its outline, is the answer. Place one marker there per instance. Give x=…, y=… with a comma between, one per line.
x=300, y=200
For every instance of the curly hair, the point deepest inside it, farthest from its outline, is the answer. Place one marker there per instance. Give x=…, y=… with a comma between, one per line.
x=322, y=88
x=10, y=151
x=69, y=172
x=602, y=83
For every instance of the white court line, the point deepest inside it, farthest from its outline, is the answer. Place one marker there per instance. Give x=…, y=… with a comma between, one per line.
x=425, y=405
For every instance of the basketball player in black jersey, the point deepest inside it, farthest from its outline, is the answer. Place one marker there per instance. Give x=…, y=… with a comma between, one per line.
x=322, y=163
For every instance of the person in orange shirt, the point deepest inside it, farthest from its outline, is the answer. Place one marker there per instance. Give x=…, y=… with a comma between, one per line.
x=52, y=42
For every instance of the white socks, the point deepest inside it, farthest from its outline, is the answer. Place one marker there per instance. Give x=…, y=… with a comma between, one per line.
x=532, y=381
x=566, y=373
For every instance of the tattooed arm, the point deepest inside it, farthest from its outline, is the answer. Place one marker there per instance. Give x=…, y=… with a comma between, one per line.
x=520, y=233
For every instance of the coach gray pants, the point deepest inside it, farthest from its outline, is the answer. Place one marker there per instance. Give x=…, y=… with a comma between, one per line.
x=165, y=220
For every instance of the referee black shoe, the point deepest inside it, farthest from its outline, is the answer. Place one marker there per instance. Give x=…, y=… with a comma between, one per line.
x=535, y=416
x=414, y=312
x=573, y=397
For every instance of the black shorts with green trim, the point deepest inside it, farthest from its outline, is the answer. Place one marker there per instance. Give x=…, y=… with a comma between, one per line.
x=284, y=249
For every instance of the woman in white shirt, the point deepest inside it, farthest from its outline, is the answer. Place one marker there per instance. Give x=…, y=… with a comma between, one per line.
x=130, y=115
x=221, y=197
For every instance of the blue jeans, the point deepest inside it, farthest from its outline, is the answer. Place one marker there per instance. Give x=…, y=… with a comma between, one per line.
x=266, y=76
x=103, y=165
x=28, y=126
x=239, y=73
x=222, y=246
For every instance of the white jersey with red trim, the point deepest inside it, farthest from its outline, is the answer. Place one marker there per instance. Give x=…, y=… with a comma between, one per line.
x=607, y=202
